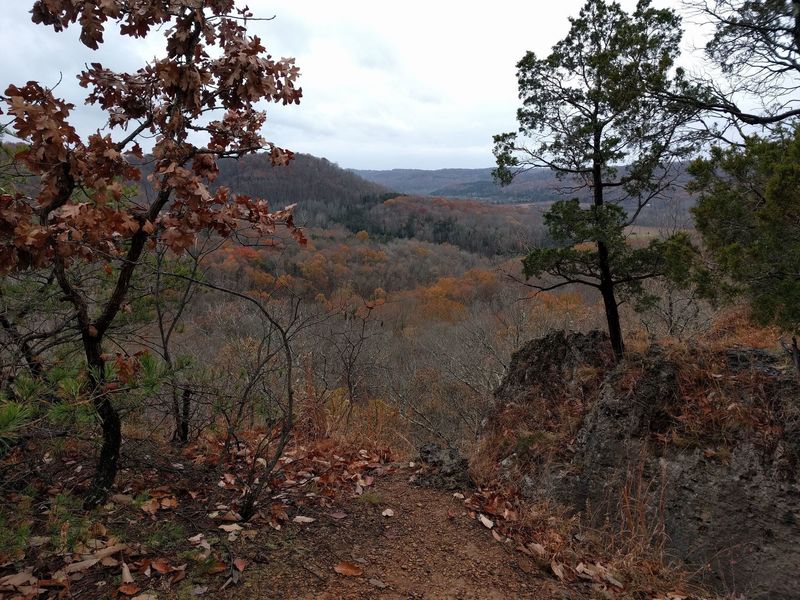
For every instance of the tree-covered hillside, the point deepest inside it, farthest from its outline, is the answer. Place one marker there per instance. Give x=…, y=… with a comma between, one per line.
x=324, y=192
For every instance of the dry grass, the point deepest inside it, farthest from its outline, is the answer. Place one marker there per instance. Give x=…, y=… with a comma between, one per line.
x=371, y=423
x=636, y=544
x=718, y=407
x=631, y=549
x=733, y=328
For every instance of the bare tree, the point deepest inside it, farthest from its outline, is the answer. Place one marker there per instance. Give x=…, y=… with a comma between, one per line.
x=756, y=46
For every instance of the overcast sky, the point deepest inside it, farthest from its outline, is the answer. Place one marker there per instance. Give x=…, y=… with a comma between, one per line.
x=386, y=84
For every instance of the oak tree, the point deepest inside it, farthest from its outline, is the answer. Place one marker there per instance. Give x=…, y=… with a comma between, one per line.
x=198, y=102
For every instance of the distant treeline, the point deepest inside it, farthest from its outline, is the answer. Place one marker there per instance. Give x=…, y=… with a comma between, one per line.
x=536, y=186
x=327, y=195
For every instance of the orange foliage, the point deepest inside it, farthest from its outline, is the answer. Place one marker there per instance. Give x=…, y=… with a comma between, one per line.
x=246, y=253
x=442, y=309
x=372, y=255
x=260, y=278
x=568, y=304
x=315, y=269
x=484, y=283
x=229, y=264
x=284, y=281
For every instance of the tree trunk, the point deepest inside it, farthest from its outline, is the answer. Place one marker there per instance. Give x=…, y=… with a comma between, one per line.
x=110, y=422
x=610, y=302
x=176, y=416
x=186, y=404
x=108, y=461
x=604, y=263
x=796, y=32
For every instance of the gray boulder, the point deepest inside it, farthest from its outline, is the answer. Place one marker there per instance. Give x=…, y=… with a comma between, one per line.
x=445, y=468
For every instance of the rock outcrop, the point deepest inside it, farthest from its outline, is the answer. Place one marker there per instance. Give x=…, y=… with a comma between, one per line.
x=725, y=490
x=444, y=468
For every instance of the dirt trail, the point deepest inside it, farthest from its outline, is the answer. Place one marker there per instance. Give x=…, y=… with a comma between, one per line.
x=429, y=549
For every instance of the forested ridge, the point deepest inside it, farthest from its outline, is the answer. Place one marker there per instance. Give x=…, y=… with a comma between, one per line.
x=332, y=196
x=230, y=370
x=537, y=185
x=329, y=193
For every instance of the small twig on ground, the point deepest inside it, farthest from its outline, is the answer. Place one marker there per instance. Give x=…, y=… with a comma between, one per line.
x=313, y=572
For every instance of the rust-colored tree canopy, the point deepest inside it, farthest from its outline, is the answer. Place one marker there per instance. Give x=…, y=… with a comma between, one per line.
x=206, y=86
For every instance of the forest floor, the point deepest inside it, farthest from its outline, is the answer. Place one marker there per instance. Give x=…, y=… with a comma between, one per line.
x=428, y=548
x=340, y=523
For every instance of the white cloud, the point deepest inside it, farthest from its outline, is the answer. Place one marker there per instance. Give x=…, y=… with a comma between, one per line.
x=412, y=84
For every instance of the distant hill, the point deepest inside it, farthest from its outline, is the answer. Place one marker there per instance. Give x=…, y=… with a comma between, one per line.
x=327, y=195
x=324, y=192
x=420, y=181
x=475, y=226
x=463, y=207
x=477, y=184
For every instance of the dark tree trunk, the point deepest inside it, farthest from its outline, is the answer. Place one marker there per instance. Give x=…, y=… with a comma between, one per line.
x=110, y=422
x=796, y=14
x=93, y=342
x=604, y=263
x=186, y=405
x=92, y=332
x=33, y=362
x=108, y=461
x=176, y=413
x=610, y=302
